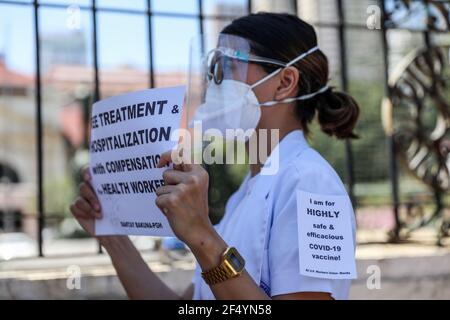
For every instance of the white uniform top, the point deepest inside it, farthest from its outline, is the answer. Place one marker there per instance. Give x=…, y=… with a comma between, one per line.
x=261, y=222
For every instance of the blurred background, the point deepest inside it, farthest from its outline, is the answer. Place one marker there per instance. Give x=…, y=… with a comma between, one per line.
x=57, y=57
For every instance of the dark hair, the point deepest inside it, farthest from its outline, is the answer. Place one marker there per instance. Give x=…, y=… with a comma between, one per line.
x=283, y=37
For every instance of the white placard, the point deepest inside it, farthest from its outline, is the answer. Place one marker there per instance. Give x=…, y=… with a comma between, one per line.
x=326, y=247
x=128, y=134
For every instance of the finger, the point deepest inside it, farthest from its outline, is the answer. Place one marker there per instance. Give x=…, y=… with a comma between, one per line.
x=86, y=174
x=88, y=193
x=83, y=205
x=165, y=189
x=178, y=167
x=77, y=213
x=163, y=202
x=186, y=167
x=172, y=177
x=181, y=159
x=165, y=159
x=177, y=154
x=183, y=166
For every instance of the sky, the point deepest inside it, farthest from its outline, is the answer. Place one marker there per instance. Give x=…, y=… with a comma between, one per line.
x=122, y=38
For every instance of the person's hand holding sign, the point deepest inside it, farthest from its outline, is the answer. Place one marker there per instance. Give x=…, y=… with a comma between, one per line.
x=86, y=208
x=184, y=201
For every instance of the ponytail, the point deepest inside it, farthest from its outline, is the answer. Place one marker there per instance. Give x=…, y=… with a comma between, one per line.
x=337, y=113
x=283, y=37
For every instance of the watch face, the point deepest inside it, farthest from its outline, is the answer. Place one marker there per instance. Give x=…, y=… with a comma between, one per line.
x=235, y=261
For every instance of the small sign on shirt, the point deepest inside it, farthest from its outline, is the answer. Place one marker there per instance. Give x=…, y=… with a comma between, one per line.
x=326, y=246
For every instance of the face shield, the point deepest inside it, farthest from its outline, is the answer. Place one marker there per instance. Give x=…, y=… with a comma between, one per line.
x=230, y=63
x=219, y=98
x=217, y=83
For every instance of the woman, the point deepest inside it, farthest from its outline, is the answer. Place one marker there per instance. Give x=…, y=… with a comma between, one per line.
x=254, y=251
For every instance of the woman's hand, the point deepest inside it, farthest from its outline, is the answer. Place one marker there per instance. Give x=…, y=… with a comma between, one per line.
x=86, y=208
x=184, y=200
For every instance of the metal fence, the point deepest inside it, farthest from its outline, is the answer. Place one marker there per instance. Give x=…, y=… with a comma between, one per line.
x=373, y=18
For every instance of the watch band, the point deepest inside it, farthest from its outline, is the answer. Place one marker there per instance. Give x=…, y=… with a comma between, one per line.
x=231, y=266
x=217, y=275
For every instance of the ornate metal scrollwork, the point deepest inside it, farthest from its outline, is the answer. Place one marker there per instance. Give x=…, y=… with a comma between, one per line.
x=436, y=18
x=417, y=115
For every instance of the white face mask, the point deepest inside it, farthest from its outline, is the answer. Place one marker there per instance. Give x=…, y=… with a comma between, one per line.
x=233, y=104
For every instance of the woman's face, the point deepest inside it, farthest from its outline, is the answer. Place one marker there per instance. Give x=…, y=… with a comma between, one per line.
x=279, y=87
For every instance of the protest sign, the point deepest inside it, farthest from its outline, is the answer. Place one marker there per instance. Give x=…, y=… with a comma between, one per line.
x=128, y=134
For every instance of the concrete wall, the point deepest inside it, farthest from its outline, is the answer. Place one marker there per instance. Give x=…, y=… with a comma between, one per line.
x=404, y=278
x=94, y=284
x=401, y=278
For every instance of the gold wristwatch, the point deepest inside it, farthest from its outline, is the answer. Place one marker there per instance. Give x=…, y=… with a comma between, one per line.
x=231, y=265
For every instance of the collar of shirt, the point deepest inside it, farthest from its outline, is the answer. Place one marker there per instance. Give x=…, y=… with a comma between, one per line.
x=283, y=153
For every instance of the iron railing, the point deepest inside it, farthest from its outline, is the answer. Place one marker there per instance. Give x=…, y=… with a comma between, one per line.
x=341, y=25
